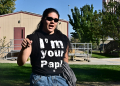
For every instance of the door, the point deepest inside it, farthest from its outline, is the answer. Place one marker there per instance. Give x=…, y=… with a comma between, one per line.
x=19, y=35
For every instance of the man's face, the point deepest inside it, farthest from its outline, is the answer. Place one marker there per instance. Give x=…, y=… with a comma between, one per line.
x=50, y=23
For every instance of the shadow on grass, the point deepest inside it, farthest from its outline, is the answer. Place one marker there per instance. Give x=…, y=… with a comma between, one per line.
x=96, y=73
x=14, y=75
x=103, y=55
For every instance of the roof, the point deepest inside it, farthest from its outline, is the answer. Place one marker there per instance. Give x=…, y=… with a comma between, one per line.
x=109, y=39
x=29, y=13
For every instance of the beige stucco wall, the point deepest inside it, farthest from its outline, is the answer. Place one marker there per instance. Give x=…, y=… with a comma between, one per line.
x=29, y=22
x=8, y=22
x=62, y=26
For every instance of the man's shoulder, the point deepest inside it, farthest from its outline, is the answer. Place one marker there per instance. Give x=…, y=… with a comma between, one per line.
x=65, y=37
x=32, y=36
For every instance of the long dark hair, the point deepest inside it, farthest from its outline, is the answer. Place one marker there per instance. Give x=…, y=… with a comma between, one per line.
x=40, y=24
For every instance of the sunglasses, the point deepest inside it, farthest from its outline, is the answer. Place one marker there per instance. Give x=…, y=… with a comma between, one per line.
x=50, y=19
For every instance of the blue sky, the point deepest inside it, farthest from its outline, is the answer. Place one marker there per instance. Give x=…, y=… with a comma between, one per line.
x=38, y=6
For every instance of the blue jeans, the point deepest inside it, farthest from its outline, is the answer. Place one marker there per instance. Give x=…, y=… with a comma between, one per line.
x=51, y=80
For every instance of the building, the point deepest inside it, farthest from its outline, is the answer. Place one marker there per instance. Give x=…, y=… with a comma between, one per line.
x=107, y=40
x=107, y=1
x=16, y=26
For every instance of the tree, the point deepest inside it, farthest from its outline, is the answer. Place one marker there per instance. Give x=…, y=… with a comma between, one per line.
x=112, y=20
x=73, y=40
x=103, y=31
x=96, y=27
x=3, y=41
x=7, y=6
x=75, y=22
x=86, y=23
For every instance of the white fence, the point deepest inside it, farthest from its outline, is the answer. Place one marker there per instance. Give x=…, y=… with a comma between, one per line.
x=81, y=50
x=8, y=51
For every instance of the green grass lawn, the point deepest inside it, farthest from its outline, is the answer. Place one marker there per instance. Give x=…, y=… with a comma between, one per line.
x=96, y=73
x=13, y=75
x=97, y=54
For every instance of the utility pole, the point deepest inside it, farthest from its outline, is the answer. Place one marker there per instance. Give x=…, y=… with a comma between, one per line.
x=68, y=23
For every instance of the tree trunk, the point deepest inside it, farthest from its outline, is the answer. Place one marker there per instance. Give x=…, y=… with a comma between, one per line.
x=103, y=46
x=119, y=48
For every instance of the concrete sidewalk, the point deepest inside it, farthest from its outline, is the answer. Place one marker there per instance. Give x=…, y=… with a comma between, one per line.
x=93, y=61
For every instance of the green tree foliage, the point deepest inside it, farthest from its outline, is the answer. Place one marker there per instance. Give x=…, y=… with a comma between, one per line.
x=103, y=31
x=73, y=40
x=75, y=22
x=96, y=27
x=86, y=24
x=7, y=6
x=112, y=20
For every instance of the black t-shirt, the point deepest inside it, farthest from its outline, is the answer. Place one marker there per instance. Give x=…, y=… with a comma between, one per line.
x=47, y=53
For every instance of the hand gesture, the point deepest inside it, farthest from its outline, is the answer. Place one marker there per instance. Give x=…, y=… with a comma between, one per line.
x=26, y=43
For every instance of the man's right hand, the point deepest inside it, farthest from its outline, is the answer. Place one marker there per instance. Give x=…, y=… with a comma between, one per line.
x=26, y=43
